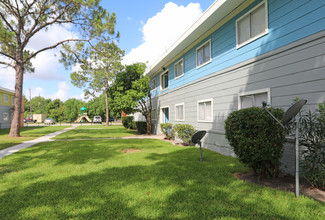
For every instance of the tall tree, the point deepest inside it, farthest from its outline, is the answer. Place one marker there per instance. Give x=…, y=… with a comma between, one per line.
x=21, y=20
x=132, y=93
x=72, y=109
x=97, y=106
x=99, y=70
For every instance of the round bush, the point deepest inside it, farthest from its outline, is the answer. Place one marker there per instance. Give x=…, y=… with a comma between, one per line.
x=184, y=132
x=257, y=139
x=167, y=130
x=127, y=122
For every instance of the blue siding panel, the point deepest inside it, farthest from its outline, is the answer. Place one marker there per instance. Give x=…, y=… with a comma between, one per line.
x=288, y=21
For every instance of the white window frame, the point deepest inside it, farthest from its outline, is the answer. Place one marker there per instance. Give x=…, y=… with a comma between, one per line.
x=154, y=114
x=154, y=80
x=198, y=114
x=12, y=100
x=5, y=116
x=162, y=115
x=180, y=119
x=4, y=98
x=197, y=49
x=254, y=92
x=181, y=60
x=161, y=81
x=258, y=36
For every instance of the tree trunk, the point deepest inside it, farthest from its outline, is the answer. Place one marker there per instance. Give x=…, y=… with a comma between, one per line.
x=149, y=117
x=107, y=110
x=15, y=123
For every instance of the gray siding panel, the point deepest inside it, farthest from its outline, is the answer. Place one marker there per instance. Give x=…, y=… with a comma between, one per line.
x=294, y=70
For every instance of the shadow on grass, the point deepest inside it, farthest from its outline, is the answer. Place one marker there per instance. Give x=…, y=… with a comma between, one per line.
x=105, y=132
x=27, y=133
x=5, y=131
x=170, y=184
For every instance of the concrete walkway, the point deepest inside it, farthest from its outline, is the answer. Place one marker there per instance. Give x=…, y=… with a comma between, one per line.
x=26, y=144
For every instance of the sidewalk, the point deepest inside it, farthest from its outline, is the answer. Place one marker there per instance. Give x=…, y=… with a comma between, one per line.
x=26, y=144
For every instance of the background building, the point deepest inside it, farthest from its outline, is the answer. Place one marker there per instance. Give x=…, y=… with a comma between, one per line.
x=7, y=98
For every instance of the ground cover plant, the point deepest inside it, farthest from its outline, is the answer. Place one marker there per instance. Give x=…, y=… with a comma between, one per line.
x=27, y=133
x=96, y=131
x=136, y=179
x=184, y=132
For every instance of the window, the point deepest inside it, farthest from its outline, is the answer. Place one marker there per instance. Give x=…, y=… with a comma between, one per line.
x=154, y=114
x=252, y=25
x=253, y=98
x=153, y=84
x=12, y=100
x=179, y=112
x=164, y=80
x=179, y=69
x=205, y=110
x=203, y=54
x=5, y=98
x=5, y=116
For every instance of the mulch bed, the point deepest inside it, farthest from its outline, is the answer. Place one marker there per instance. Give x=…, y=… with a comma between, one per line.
x=284, y=182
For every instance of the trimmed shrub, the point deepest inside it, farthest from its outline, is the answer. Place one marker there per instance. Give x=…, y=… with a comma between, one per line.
x=167, y=129
x=184, y=132
x=127, y=122
x=257, y=139
x=312, y=136
x=141, y=127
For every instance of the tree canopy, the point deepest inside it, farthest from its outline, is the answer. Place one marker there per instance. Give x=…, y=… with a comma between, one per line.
x=98, y=70
x=21, y=20
x=131, y=92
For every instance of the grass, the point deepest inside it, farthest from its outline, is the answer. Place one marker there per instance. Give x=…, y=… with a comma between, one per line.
x=98, y=180
x=27, y=133
x=96, y=131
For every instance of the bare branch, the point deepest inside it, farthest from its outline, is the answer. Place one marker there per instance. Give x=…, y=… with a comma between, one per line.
x=34, y=30
x=7, y=55
x=10, y=8
x=28, y=7
x=7, y=64
x=7, y=23
x=52, y=47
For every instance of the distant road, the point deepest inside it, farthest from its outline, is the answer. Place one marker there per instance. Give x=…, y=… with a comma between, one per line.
x=68, y=124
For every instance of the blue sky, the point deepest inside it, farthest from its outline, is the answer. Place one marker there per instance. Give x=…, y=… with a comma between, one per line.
x=147, y=28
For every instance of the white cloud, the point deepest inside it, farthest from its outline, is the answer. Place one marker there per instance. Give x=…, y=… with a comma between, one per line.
x=163, y=29
x=51, y=36
x=80, y=97
x=36, y=91
x=46, y=67
x=62, y=93
x=7, y=78
x=46, y=63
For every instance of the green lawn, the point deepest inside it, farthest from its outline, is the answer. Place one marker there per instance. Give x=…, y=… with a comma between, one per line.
x=96, y=131
x=98, y=180
x=27, y=133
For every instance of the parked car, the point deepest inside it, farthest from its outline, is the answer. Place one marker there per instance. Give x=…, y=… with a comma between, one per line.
x=97, y=119
x=26, y=120
x=49, y=121
x=111, y=119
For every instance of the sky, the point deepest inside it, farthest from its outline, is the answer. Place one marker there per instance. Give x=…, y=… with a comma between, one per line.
x=147, y=28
